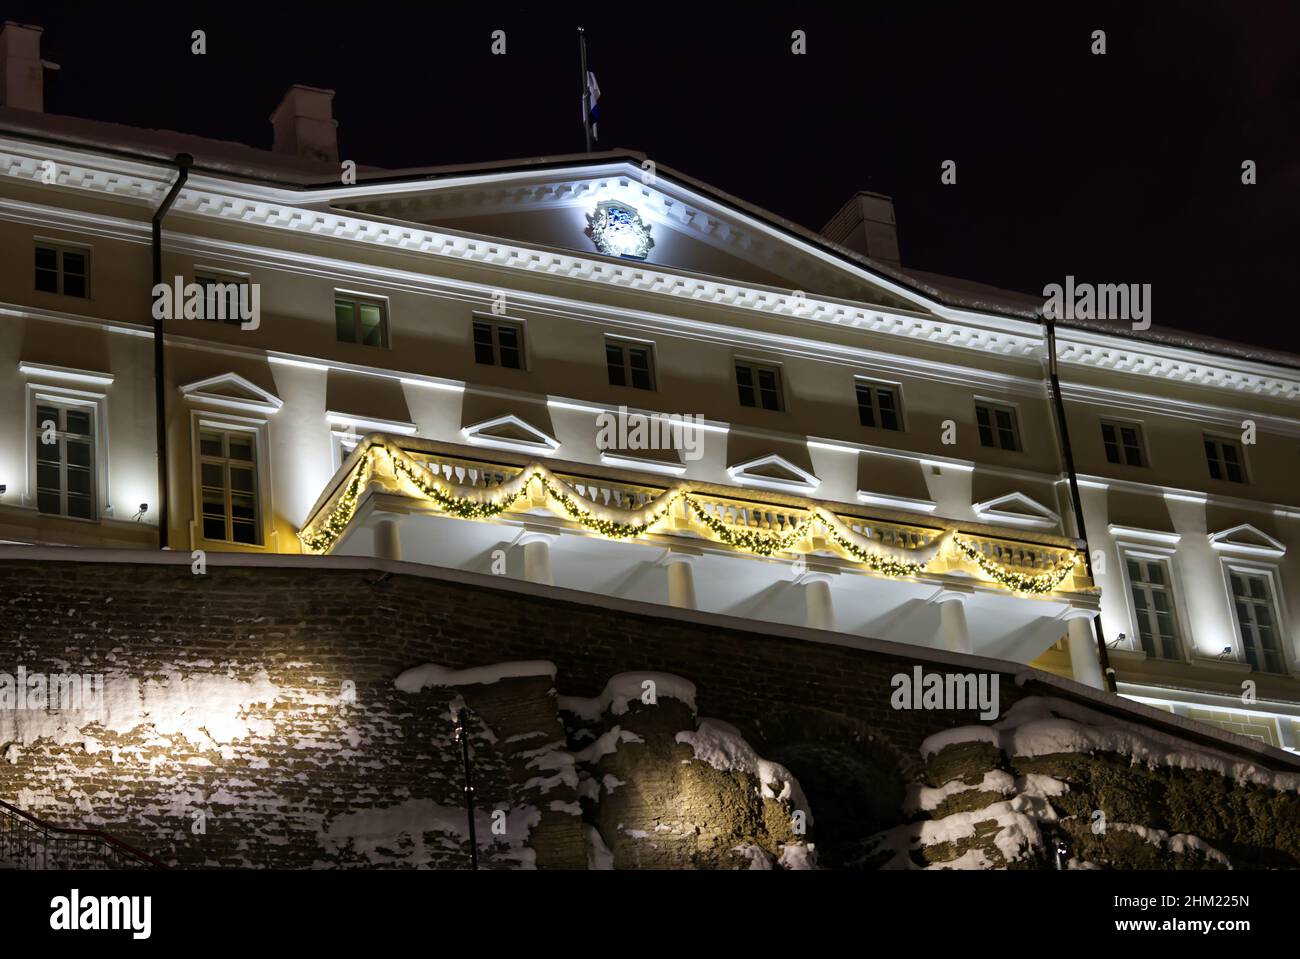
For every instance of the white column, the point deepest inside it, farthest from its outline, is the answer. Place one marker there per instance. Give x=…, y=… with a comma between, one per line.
x=819, y=609
x=681, y=580
x=388, y=541
x=537, y=557
x=954, y=632
x=1085, y=665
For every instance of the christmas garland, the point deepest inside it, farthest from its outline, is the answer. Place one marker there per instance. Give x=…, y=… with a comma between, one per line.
x=623, y=524
x=1020, y=582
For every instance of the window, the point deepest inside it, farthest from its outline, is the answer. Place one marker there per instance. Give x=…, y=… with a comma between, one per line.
x=878, y=406
x=997, y=426
x=1252, y=595
x=499, y=344
x=1123, y=442
x=222, y=297
x=1153, y=602
x=228, y=485
x=759, y=386
x=1225, y=460
x=361, y=321
x=630, y=364
x=65, y=460
x=63, y=269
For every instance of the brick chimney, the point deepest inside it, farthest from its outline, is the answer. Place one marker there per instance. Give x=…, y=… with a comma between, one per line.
x=866, y=225
x=305, y=126
x=22, y=71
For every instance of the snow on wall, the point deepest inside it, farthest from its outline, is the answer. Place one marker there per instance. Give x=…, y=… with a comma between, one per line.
x=721, y=746
x=421, y=677
x=1046, y=725
x=626, y=687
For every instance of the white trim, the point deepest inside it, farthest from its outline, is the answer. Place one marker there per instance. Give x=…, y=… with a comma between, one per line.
x=98, y=405
x=897, y=502
x=261, y=430
x=374, y=424
x=1150, y=535
x=1185, y=641
x=804, y=483
x=545, y=444
x=1223, y=541
x=1285, y=642
x=65, y=373
x=635, y=462
x=989, y=512
x=264, y=402
x=593, y=406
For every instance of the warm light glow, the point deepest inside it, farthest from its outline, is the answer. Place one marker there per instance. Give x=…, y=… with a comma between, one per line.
x=617, y=230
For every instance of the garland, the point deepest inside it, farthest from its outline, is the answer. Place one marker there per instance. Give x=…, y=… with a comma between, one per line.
x=1021, y=582
x=888, y=561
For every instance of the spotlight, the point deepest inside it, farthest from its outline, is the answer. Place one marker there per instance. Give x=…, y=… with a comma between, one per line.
x=3, y=489
x=144, y=508
x=1227, y=651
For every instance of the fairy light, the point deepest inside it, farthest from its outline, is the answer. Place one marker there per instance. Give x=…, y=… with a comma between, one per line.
x=319, y=537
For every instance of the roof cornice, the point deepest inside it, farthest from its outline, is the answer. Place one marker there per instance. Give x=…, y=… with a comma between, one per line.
x=270, y=207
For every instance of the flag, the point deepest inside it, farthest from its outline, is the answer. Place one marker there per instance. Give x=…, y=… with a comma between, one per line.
x=593, y=92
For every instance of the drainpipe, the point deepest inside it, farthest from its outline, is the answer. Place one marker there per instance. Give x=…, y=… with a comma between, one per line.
x=183, y=162
x=1067, y=454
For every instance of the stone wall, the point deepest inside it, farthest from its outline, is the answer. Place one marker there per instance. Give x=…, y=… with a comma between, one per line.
x=253, y=716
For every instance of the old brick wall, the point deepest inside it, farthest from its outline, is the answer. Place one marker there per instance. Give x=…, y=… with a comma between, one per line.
x=306, y=754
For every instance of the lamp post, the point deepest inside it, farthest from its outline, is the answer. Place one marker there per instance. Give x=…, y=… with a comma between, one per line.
x=462, y=737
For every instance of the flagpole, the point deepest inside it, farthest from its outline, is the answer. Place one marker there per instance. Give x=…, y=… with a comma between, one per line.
x=586, y=89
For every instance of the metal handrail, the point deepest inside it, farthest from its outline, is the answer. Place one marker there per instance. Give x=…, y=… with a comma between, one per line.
x=27, y=842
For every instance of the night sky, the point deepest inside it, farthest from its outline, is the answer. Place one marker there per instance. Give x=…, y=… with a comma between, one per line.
x=1123, y=168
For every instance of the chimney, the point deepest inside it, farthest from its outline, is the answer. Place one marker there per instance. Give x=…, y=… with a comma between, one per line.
x=22, y=79
x=866, y=225
x=305, y=126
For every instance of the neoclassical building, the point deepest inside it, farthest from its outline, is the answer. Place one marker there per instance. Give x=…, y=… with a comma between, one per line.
x=598, y=373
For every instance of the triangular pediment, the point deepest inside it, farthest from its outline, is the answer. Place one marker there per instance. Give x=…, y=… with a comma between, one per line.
x=691, y=228
x=509, y=432
x=1016, y=509
x=773, y=472
x=232, y=391
x=1247, y=539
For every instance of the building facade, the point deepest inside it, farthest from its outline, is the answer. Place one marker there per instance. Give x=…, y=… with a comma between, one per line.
x=596, y=373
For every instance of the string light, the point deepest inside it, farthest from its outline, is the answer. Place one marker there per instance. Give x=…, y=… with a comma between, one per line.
x=636, y=522
x=1020, y=582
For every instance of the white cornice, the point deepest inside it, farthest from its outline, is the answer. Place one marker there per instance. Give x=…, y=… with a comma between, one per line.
x=294, y=211
x=257, y=399
x=798, y=480
x=282, y=210
x=65, y=373
x=1144, y=358
x=358, y=424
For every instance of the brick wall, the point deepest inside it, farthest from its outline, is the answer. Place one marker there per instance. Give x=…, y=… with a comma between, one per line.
x=304, y=754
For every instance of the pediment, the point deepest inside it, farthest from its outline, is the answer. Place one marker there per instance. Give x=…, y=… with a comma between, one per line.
x=232, y=391
x=509, y=432
x=1247, y=539
x=773, y=472
x=694, y=229
x=1016, y=509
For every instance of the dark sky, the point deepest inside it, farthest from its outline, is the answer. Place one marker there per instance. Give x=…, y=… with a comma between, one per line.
x=1123, y=168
